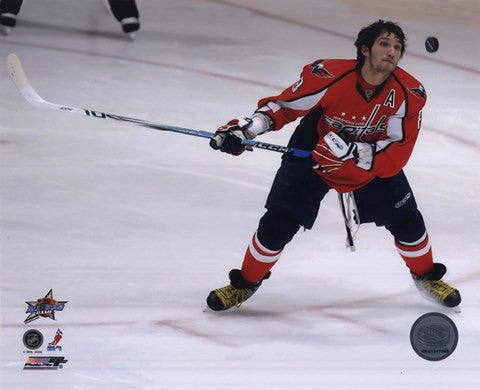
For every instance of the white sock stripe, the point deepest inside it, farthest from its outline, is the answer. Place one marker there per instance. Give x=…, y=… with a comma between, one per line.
x=418, y=253
x=11, y=16
x=420, y=240
x=264, y=249
x=131, y=20
x=263, y=258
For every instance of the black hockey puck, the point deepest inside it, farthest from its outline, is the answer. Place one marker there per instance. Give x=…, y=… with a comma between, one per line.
x=431, y=44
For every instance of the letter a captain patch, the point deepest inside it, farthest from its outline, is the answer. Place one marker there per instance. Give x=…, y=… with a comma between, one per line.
x=390, y=100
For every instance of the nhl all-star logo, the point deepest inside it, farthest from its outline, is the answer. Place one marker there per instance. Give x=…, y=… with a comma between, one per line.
x=43, y=307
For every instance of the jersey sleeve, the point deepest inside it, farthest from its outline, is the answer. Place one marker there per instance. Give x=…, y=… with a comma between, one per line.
x=393, y=153
x=303, y=96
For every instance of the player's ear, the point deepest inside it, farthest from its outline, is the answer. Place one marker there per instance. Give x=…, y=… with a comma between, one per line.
x=365, y=50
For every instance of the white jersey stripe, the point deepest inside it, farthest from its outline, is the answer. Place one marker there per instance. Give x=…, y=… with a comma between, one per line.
x=304, y=103
x=394, y=129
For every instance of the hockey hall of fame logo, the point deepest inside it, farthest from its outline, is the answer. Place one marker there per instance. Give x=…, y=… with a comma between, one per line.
x=43, y=307
x=434, y=336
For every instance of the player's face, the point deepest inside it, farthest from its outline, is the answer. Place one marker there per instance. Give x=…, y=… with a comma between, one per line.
x=385, y=53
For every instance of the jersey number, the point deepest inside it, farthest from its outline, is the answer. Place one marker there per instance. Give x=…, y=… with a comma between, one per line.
x=297, y=85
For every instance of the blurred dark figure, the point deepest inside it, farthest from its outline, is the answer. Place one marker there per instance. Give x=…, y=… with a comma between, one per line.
x=125, y=11
x=8, y=14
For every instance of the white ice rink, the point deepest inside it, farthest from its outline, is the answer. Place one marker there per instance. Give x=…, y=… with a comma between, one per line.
x=133, y=227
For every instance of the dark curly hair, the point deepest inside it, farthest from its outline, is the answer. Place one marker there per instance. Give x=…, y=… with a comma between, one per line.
x=367, y=36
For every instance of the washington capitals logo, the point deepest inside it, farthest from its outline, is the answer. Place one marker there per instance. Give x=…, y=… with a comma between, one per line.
x=43, y=307
x=319, y=70
x=419, y=92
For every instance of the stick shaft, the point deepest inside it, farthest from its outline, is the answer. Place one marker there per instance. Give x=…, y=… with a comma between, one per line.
x=20, y=79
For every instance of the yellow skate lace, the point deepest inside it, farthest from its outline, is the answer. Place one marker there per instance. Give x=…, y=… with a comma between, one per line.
x=438, y=288
x=231, y=296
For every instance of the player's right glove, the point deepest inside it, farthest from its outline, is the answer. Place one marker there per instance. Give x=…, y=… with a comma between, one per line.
x=361, y=152
x=334, y=151
x=228, y=138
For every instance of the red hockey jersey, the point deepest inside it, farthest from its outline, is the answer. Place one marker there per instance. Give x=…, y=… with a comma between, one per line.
x=388, y=115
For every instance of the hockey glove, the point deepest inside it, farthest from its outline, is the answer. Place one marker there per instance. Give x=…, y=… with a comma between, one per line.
x=361, y=152
x=229, y=138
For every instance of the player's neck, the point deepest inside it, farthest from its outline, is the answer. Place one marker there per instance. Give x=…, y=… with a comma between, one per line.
x=372, y=76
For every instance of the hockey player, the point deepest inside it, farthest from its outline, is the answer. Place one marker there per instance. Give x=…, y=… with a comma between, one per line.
x=361, y=119
x=9, y=10
x=125, y=11
x=57, y=338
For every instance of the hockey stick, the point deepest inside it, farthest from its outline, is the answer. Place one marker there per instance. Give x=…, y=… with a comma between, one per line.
x=18, y=76
x=344, y=200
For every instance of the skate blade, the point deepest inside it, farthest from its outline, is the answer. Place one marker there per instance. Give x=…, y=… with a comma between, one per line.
x=456, y=309
x=4, y=30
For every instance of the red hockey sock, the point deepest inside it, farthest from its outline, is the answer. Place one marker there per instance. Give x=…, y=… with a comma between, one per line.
x=417, y=255
x=258, y=261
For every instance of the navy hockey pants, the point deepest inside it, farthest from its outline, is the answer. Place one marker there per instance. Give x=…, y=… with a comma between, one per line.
x=296, y=193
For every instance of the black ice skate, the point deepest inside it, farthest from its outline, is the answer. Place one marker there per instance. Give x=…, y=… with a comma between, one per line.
x=237, y=292
x=130, y=25
x=435, y=289
x=7, y=22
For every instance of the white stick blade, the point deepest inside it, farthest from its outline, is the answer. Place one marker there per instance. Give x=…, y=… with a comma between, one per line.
x=17, y=74
x=19, y=77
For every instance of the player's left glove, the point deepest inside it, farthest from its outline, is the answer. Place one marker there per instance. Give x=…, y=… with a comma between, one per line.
x=361, y=152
